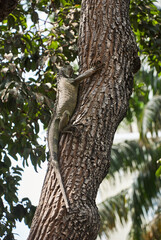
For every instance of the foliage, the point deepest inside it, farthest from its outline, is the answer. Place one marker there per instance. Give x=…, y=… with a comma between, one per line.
x=32, y=47
x=144, y=192
x=151, y=121
x=37, y=38
x=110, y=209
x=158, y=172
x=140, y=157
x=146, y=22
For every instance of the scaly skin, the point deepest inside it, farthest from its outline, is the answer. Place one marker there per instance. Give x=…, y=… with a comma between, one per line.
x=66, y=103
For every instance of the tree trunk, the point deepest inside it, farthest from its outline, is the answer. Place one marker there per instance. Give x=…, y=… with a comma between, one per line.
x=105, y=36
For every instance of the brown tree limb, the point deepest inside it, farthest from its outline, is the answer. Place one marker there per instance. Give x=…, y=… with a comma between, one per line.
x=105, y=36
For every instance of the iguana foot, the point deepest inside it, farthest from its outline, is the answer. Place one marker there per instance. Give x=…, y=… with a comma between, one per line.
x=69, y=128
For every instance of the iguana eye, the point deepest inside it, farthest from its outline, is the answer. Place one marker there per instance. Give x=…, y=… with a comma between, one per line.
x=69, y=71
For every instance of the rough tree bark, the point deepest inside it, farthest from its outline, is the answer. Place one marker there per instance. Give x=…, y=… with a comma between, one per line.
x=106, y=36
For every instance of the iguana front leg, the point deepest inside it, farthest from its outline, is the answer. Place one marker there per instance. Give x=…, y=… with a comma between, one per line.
x=86, y=74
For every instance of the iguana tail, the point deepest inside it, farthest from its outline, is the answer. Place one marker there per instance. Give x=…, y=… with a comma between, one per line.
x=53, y=142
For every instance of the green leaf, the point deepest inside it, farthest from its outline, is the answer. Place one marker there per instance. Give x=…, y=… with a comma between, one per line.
x=19, y=212
x=54, y=45
x=158, y=172
x=35, y=17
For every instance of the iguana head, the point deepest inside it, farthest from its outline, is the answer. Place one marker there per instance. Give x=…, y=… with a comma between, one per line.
x=66, y=71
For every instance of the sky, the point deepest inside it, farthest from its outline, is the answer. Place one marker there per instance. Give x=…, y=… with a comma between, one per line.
x=158, y=3
x=30, y=187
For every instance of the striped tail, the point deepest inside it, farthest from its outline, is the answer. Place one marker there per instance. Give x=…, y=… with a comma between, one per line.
x=53, y=142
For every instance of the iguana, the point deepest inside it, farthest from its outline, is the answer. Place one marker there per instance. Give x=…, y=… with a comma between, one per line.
x=67, y=92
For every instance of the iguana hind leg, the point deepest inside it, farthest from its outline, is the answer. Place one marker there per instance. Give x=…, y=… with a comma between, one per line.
x=64, y=120
x=68, y=129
